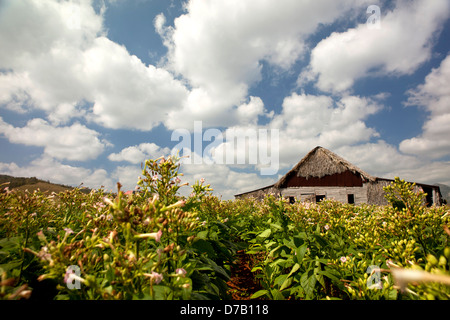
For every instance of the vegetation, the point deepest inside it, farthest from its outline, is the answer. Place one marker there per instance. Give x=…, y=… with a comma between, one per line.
x=33, y=183
x=154, y=244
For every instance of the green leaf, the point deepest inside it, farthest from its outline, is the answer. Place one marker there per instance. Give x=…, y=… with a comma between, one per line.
x=329, y=275
x=203, y=234
x=286, y=283
x=204, y=246
x=300, y=253
x=10, y=265
x=277, y=295
x=308, y=282
x=265, y=234
x=302, y=235
x=256, y=269
x=9, y=244
x=294, y=269
x=280, y=280
x=258, y=294
x=321, y=240
x=391, y=294
x=276, y=226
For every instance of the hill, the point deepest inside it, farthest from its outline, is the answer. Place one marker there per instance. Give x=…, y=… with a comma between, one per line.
x=31, y=184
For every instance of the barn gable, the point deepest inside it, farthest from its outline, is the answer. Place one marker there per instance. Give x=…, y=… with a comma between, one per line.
x=321, y=167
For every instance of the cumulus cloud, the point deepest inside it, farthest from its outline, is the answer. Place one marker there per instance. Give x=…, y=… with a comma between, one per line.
x=75, y=142
x=126, y=93
x=434, y=96
x=47, y=168
x=379, y=159
x=307, y=121
x=56, y=57
x=219, y=46
x=225, y=181
x=139, y=153
x=127, y=176
x=401, y=44
x=385, y=160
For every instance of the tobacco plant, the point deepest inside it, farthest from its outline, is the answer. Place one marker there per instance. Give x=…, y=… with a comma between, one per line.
x=155, y=244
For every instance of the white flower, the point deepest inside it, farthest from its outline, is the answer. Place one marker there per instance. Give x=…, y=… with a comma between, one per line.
x=153, y=235
x=154, y=277
x=181, y=272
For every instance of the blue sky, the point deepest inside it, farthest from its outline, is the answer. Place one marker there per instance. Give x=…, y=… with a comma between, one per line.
x=90, y=89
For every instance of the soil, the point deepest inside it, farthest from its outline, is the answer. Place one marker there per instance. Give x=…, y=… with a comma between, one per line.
x=242, y=283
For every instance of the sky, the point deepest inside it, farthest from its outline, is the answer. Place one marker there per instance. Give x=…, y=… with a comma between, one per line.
x=90, y=89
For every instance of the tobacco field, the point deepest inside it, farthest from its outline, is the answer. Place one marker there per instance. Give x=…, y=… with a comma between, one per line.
x=155, y=244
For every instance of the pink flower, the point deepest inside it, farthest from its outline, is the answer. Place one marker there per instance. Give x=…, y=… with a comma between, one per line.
x=154, y=277
x=153, y=235
x=68, y=230
x=181, y=272
x=202, y=180
x=343, y=259
x=158, y=236
x=327, y=227
x=129, y=192
x=44, y=254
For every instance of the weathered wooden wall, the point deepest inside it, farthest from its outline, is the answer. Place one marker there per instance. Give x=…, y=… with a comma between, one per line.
x=336, y=193
x=369, y=192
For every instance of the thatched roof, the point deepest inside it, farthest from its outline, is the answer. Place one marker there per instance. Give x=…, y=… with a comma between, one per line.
x=321, y=162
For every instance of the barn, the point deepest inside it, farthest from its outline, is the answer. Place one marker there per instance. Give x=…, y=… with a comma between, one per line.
x=322, y=174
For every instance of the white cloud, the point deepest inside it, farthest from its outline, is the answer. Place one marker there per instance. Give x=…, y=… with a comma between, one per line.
x=60, y=50
x=225, y=181
x=47, y=168
x=128, y=94
x=219, y=46
x=379, y=159
x=384, y=160
x=13, y=95
x=399, y=47
x=307, y=121
x=434, y=95
x=127, y=176
x=76, y=142
x=139, y=153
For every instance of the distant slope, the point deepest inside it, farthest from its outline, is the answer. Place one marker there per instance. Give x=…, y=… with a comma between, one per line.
x=31, y=184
